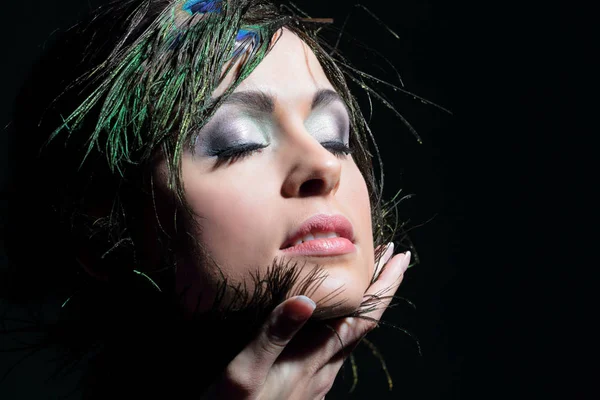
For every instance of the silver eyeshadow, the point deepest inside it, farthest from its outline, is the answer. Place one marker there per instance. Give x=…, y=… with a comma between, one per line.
x=329, y=124
x=232, y=126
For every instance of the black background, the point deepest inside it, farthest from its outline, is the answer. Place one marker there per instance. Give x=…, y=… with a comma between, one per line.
x=494, y=292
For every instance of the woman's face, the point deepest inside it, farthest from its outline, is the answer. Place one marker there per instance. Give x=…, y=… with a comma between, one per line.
x=289, y=181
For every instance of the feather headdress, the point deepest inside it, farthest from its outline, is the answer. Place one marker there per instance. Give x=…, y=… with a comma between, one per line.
x=155, y=89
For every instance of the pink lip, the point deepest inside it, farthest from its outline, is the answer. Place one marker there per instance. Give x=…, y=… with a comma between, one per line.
x=321, y=223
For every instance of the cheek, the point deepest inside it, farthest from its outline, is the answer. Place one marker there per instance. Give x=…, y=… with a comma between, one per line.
x=355, y=195
x=230, y=208
x=359, y=192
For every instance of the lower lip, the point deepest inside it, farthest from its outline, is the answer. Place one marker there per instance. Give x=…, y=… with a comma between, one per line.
x=322, y=247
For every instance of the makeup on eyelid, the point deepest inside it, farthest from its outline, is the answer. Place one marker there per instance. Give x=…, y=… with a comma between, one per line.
x=246, y=199
x=226, y=132
x=233, y=128
x=328, y=126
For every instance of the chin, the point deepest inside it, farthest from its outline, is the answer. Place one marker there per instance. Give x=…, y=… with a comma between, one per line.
x=340, y=294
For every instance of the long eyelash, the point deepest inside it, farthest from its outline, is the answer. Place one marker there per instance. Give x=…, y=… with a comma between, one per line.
x=233, y=154
x=338, y=149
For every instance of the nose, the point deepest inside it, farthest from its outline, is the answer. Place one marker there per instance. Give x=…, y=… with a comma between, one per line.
x=312, y=170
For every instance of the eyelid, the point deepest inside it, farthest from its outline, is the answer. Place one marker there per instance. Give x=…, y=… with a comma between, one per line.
x=329, y=124
x=236, y=149
x=230, y=131
x=237, y=153
x=339, y=149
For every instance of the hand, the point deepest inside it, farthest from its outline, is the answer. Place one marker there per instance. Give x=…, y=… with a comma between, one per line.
x=273, y=366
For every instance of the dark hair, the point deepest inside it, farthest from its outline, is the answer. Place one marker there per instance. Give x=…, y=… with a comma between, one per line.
x=130, y=85
x=127, y=91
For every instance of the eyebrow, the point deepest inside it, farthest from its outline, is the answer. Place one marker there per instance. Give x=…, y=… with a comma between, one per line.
x=324, y=97
x=264, y=103
x=253, y=100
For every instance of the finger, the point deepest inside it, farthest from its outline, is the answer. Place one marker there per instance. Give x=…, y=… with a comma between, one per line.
x=284, y=322
x=385, y=257
x=388, y=282
x=391, y=275
x=380, y=295
x=351, y=330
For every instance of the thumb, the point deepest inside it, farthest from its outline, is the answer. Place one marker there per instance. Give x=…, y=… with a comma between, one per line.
x=281, y=326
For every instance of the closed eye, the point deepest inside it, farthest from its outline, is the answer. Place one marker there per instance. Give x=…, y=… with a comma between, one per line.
x=339, y=149
x=236, y=153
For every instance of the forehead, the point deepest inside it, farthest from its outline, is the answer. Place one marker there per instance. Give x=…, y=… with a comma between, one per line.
x=289, y=72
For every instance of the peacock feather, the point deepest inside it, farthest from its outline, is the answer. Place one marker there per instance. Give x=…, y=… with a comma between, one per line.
x=155, y=90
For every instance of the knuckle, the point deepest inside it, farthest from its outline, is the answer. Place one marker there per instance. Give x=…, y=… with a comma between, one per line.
x=314, y=367
x=370, y=325
x=269, y=349
x=326, y=387
x=367, y=326
x=275, y=340
x=239, y=384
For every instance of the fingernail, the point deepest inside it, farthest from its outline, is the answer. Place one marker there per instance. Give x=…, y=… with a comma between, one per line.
x=388, y=253
x=406, y=261
x=385, y=257
x=290, y=317
x=299, y=316
x=307, y=300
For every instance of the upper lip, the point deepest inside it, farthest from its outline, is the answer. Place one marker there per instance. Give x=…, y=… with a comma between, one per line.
x=321, y=223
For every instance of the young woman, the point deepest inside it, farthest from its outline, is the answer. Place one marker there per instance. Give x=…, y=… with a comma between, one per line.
x=205, y=166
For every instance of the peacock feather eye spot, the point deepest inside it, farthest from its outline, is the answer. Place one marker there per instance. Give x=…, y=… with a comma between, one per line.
x=202, y=6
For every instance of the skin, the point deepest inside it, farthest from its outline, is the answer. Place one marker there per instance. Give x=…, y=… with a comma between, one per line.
x=287, y=362
x=246, y=209
x=272, y=191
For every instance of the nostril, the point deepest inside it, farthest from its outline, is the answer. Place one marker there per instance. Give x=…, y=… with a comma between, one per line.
x=312, y=187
